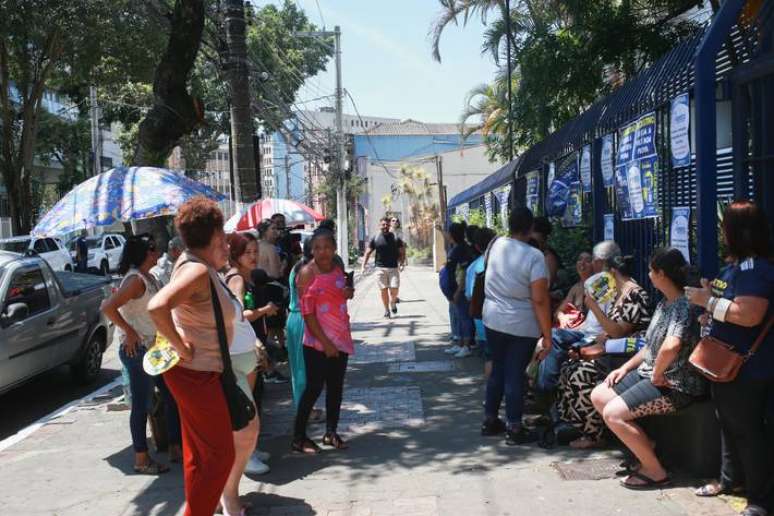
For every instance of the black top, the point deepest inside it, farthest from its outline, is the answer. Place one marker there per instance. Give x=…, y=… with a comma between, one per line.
x=386, y=246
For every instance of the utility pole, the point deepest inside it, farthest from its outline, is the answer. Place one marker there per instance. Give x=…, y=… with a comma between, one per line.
x=441, y=189
x=510, y=72
x=245, y=187
x=341, y=192
x=96, y=134
x=287, y=175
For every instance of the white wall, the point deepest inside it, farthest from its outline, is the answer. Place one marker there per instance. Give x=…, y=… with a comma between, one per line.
x=461, y=170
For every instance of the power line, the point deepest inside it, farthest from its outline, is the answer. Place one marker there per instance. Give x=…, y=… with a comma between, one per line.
x=368, y=136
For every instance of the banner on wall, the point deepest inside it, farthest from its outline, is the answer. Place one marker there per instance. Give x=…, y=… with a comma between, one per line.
x=585, y=169
x=679, y=231
x=505, y=195
x=636, y=169
x=573, y=213
x=679, y=130
x=606, y=161
x=488, y=209
x=609, y=219
x=533, y=191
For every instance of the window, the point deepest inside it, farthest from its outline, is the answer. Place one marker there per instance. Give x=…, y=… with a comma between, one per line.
x=116, y=242
x=40, y=246
x=28, y=287
x=109, y=243
x=51, y=245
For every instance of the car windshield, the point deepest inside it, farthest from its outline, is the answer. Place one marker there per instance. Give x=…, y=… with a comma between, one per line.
x=15, y=246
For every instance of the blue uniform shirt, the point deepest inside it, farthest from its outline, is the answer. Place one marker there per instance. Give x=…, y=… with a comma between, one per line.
x=751, y=277
x=470, y=279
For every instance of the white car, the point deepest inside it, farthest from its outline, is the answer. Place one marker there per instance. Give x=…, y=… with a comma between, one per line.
x=50, y=249
x=104, y=251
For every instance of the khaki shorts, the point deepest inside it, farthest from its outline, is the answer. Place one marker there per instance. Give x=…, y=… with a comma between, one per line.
x=387, y=278
x=243, y=364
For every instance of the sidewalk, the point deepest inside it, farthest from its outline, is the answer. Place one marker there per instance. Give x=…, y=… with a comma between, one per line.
x=412, y=416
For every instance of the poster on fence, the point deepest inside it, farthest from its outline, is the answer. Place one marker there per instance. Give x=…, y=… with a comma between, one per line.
x=679, y=231
x=463, y=210
x=679, y=130
x=636, y=169
x=533, y=191
x=573, y=213
x=585, y=168
x=559, y=189
x=609, y=219
x=489, y=209
x=505, y=195
x=606, y=161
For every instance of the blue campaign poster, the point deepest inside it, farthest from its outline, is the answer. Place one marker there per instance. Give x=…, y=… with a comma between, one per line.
x=585, y=168
x=626, y=144
x=609, y=226
x=622, y=192
x=636, y=170
x=645, y=137
x=559, y=190
x=648, y=170
x=573, y=214
x=533, y=191
x=606, y=161
x=679, y=131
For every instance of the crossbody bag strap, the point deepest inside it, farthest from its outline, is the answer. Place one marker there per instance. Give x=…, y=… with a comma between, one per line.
x=486, y=254
x=760, y=338
x=221, y=327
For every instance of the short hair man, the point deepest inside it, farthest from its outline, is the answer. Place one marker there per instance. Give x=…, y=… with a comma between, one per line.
x=162, y=271
x=387, y=249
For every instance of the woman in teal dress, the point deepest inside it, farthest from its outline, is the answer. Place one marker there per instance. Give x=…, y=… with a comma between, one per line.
x=294, y=336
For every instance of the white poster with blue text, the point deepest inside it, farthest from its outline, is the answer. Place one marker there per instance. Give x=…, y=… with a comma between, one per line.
x=609, y=219
x=533, y=191
x=680, y=131
x=679, y=231
x=606, y=161
x=505, y=195
x=585, y=169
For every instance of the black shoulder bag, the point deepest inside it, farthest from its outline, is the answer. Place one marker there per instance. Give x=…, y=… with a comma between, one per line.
x=240, y=407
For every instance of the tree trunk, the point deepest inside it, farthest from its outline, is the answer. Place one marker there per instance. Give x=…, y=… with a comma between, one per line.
x=245, y=184
x=175, y=113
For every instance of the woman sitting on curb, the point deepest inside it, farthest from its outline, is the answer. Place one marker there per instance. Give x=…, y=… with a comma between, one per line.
x=658, y=379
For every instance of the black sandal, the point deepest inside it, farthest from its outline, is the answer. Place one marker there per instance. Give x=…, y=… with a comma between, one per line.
x=151, y=468
x=306, y=446
x=648, y=483
x=333, y=439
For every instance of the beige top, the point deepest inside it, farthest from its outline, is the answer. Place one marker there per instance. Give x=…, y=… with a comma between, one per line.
x=195, y=321
x=135, y=311
x=269, y=260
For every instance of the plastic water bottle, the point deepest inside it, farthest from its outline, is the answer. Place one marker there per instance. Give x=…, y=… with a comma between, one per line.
x=249, y=301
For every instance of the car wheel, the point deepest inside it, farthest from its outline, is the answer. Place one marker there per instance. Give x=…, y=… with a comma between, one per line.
x=104, y=268
x=87, y=369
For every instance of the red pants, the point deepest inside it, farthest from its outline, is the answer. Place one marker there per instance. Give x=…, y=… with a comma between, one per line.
x=208, y=444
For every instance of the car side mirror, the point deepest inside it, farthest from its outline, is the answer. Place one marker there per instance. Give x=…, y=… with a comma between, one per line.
x=15, y=312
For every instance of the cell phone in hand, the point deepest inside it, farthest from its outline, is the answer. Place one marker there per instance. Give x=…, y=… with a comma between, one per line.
x=350, y=281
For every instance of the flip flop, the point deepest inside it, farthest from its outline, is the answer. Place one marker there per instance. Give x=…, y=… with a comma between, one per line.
x=151, y=468
x=717, y=489
x=649, y=483
x=333, y=439
x=305, y=446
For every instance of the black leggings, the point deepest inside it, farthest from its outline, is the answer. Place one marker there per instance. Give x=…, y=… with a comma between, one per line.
x=321, y=370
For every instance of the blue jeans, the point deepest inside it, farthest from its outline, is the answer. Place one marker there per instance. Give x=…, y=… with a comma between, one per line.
x=141, y=385
x=465, y=328
x=455, y=336
x=550, y=367
x=510, y=357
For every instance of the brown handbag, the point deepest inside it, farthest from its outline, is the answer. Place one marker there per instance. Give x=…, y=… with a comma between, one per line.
x=476, y=307
x=718, y=362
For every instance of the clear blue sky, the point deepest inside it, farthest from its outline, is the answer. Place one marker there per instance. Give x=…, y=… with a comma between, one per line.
x=387, y=63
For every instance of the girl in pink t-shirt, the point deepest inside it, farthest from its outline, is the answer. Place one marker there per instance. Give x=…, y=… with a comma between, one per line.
x=327, y=340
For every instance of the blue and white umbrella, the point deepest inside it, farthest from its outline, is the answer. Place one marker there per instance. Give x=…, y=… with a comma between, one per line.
x=122, y=194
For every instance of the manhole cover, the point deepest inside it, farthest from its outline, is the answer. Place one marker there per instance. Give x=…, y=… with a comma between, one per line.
x=432, y=366
x=590, y=469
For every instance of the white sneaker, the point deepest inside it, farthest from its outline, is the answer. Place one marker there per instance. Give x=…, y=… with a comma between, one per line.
x=453, y=350
x=463, y=353
x=261, y=455
x=256, y=467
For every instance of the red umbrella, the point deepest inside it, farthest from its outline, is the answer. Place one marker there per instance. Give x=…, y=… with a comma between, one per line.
x=295, y=213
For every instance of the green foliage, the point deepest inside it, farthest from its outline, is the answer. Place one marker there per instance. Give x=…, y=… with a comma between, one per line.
x=565, y=55
x=568, y=244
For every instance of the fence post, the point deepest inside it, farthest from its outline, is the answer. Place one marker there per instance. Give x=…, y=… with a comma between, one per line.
x=597, y=192
x=706, y=151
